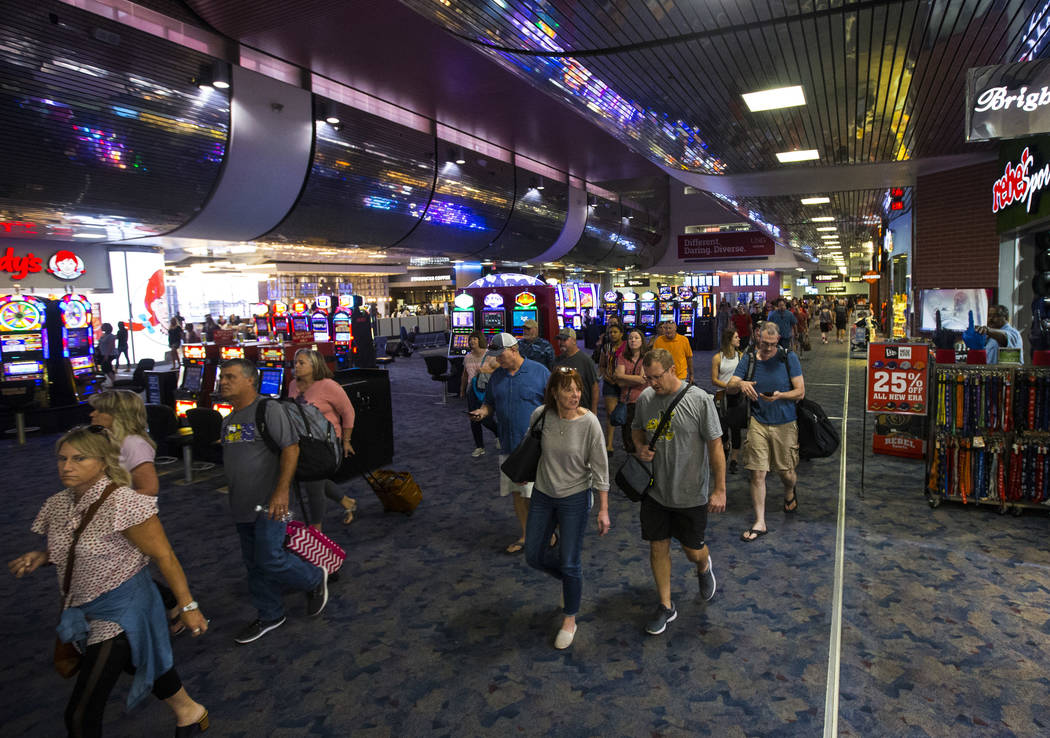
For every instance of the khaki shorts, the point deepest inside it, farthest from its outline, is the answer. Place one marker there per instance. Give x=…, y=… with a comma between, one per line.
x=507, y=487
x=771, y=447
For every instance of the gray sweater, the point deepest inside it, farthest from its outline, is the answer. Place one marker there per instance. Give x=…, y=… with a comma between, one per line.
x=574, y=457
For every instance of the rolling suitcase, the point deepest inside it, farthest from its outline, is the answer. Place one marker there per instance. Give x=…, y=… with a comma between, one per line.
x=397, y=491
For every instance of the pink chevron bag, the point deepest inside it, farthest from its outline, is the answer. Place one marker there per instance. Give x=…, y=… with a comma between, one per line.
x=314, y=546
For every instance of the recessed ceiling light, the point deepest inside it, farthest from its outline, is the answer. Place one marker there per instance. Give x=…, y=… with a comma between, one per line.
x=830, y=237
x=786, y=157
x=828, y=228
x=815, y=200
x=822, y=219
x=773, y=99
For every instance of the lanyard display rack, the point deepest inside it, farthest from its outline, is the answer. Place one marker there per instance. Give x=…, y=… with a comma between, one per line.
x=990, y=437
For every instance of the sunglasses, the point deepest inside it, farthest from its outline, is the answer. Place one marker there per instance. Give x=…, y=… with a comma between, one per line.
x=566, y=369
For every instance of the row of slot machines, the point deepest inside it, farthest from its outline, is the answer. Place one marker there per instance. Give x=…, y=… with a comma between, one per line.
x=198, y=382
x=493, y=316
x=648, y=310
x=50, y=344
x=574, y=302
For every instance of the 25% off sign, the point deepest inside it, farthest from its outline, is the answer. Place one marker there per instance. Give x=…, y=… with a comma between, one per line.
x=897, y=378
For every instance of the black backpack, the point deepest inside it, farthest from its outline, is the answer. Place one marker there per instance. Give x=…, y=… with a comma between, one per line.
x=320, y=449
x=817, y=436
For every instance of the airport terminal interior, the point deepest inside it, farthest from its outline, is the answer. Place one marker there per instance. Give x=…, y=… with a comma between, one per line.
x=405, y=187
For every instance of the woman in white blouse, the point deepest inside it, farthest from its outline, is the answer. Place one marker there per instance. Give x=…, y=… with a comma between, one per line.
x=111, y=609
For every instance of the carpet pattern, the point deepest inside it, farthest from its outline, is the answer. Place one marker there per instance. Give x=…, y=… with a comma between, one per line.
x=433, y=631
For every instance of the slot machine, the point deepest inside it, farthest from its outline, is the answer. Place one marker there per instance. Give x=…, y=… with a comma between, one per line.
x=524, y=309
x=705, y=304
x=195, y=387
x=493, y=316
x=666, y=306
x=71, y=348
x=24, y=350
x=342, y=337
x=558, y=306
x=279, y=320
x=588, y=300
x=271, y=372
x=462, y=325
x=225, y=354
x=686, y=312
x=260, y=317
x=647, y=312
x=570, y=306
x=299, y=319
x=610, y=305
x=629, y=310
x=319, y=322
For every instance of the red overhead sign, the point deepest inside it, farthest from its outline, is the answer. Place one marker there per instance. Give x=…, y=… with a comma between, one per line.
x=730, y=245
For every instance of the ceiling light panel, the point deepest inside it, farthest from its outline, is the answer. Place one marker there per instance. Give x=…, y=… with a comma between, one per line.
x=774, y=99
x=822, y=219
x=787, y=157
x=815, y=200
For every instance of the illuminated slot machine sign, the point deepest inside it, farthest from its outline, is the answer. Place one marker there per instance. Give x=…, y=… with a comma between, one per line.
x=629, y=309
x=77, y=334
x=271, y=361
x=647, y=310
x=462, y=325
x=23, y=339
x=319, y=325
x=570, y=306
x=686, y=311
x=524, y=309
x=588, y=298
x=261, y=317
x=342, y=337
x=299, y=318
x=705, y=304
x=189, y=389
x=666, y=306
x=279, y=318
x=493, y=316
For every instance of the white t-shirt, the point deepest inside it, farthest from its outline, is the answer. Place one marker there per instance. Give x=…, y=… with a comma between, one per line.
x=135, y=451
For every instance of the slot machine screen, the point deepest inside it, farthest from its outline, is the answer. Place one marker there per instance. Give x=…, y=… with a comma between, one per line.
x=280, y=325
x=194, y=351
x=22, y=368
x=191, y=378
x=261, y=325
x=520, y=316
x=82, y=363
x=342, y=336
x=77, y=338
x=19, y=344
x=300, y=325
x=319, y=323
x=461, y=341
x=493, y=319
x=462, y=318
x=270, y=381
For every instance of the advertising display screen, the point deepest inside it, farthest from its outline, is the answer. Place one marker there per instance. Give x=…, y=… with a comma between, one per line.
x=955, y=307
x=270, y=381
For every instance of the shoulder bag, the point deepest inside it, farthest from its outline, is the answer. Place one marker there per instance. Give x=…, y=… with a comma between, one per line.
x=817, y=435
x=635, y=477
x=619, y=414
x=67, y=657
x=520, y=467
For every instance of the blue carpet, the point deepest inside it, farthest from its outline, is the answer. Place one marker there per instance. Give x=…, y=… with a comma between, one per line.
x=432, y=630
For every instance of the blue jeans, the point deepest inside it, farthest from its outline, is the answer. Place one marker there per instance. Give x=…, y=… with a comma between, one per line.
x=271, y=568
x=562, y=562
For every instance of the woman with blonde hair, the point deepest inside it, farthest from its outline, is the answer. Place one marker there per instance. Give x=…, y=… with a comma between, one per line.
x=313, y=384
x=101, y=536
x=723, y=364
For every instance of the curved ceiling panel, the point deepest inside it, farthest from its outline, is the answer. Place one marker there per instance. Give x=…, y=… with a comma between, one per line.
x=540, y=210
x=636, y=243
x=369, y=184
x=599, y=234
x=105, y=131
x=471, y=204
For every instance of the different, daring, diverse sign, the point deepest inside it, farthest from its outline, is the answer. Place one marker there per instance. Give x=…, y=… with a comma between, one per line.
x=897, y=378
x=1008, y=101
x=729, y=245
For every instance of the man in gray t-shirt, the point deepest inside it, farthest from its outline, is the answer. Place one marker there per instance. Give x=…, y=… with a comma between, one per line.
x=688, y=451
x=259, y=481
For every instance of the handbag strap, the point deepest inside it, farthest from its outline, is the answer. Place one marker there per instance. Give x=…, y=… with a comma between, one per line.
x=540, y=423
x=666, y=416
x=72, y=555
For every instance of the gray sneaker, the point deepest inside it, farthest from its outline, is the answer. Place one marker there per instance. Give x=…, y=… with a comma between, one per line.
x=707, y=581
x=659, y=623
x=256, y=630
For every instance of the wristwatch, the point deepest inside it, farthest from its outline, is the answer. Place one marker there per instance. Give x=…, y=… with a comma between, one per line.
x=192, y=606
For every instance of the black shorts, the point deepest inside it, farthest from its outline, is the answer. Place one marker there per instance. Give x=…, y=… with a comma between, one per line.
x=688, y=525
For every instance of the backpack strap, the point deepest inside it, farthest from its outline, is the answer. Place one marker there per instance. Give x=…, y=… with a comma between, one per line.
x=262, y=427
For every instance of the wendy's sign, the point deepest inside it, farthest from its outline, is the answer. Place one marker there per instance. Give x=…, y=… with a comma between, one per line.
x=729, y=245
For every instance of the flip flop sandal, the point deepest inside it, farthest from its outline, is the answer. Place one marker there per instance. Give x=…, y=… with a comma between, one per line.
x=755, y=535
x=515, y=548
x=348, y=516
x=793, y=501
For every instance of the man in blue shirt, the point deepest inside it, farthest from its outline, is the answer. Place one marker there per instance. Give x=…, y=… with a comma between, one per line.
x=513, y=392
x=785, y=322
x=772, y=434
x=531, y=346
x=999, y=332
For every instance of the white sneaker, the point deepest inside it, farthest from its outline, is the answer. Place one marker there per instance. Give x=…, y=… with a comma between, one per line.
x=477, y=452
x=564, y=638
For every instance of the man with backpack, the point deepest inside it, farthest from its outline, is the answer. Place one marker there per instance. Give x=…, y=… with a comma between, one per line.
x=259, y=482
x=773, y=382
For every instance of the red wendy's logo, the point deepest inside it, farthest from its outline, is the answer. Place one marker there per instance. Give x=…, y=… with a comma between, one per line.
x=65, y=264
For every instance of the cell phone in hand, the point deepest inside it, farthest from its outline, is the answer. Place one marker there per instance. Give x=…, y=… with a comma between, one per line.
x=769, y=394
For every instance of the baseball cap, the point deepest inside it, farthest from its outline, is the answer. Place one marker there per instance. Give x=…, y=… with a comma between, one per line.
x=567, y=333
x=530, y=323
x=501, y=342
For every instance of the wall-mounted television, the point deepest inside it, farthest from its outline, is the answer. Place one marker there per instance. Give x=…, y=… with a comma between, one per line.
x=955, y=307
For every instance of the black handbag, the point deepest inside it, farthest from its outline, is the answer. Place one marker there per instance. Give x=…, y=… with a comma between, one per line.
x=520, y=467
x=635, y=477
x=619, y=414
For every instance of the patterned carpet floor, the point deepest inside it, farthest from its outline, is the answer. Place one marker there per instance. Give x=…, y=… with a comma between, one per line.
x=433, y=631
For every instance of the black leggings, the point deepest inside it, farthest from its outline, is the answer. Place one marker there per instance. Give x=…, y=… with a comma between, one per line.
x=473, y=403
x=99, y=671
